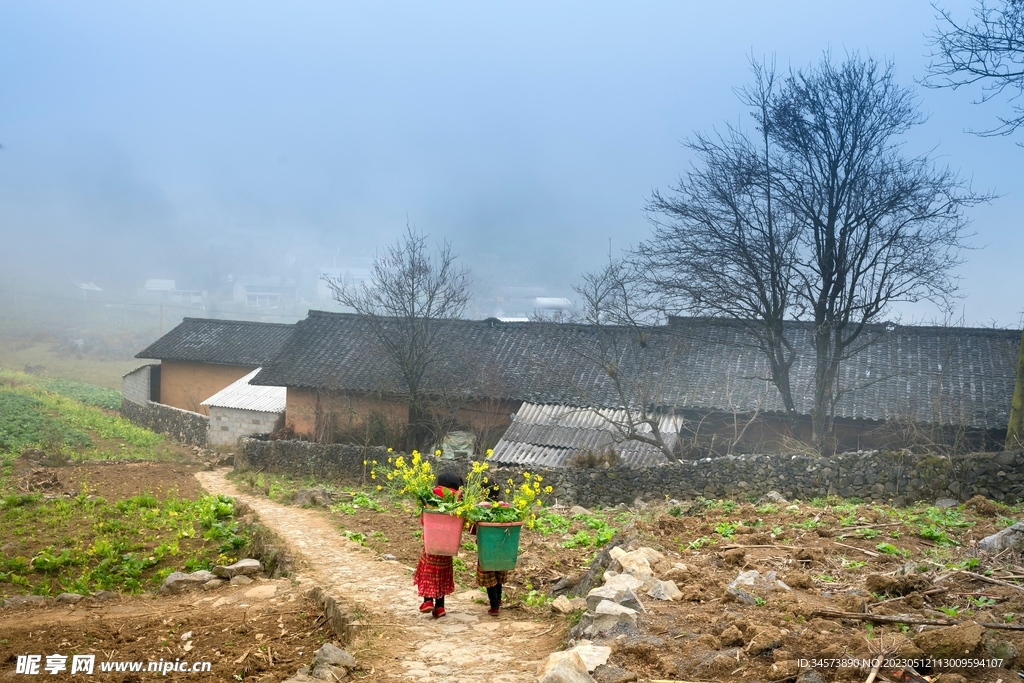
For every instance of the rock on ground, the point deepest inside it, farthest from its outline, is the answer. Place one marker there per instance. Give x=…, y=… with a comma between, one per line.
x=315, y=496
x=1011, y=537
x=562, y=605
x=178, y=582
x=664, y=590
x=568, y=670
x=613, y=674
x=616, y=593
x=246, y=567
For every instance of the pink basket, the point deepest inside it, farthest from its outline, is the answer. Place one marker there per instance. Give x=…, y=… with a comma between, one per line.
x=442, y=533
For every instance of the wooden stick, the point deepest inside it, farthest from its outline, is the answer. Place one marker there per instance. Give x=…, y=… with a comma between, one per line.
x=867, y=526
x=869, y=553
x=989, y=579
x=733, y=547
x=875, y=668
x=933, y=591
x=884, y=619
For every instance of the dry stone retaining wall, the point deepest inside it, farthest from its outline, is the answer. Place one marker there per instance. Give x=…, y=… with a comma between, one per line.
x=183, y=425
x=872, y=476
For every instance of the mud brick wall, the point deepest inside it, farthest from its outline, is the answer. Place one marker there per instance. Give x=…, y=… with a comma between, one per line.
x=182, y=425
x=871, y=476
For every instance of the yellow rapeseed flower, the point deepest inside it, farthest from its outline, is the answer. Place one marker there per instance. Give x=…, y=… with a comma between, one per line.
x=437, y=452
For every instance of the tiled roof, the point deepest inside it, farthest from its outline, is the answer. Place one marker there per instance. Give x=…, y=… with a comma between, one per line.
x=928, y=374
x=227, y=342
x=551, y=435
x=241, y=395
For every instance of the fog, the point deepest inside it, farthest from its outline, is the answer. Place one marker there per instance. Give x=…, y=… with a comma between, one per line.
x=245, y=142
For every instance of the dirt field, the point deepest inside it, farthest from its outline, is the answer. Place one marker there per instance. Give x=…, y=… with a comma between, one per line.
x=917, y=564
x=835, y=556
x=688, y=638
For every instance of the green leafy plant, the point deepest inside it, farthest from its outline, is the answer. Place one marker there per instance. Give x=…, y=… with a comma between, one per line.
x=809, y=523
x=551, y=523
x=363, y=500
x=890, y=549
x=355, y=536
x=698, y=543
x=725, y=529
x=950, y=611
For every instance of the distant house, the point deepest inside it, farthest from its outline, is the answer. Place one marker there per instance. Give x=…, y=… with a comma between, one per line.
x=200, y=357
x=711, y=375
x=261, y=293
x=166, y=291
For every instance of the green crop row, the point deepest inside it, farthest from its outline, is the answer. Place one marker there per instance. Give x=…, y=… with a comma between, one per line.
x=94, y=544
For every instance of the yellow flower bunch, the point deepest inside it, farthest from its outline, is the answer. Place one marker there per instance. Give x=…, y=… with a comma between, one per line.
x=414, y=478
x=523, y=501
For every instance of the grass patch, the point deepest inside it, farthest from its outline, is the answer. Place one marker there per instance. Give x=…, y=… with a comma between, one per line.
x=596, y=534
x=34, y=415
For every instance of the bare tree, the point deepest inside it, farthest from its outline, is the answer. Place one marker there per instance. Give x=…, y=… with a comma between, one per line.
x=987, y=50
x=833, y=224
x=618, y=317
x=408, y=304
x=1015, y=424
x=722, y=247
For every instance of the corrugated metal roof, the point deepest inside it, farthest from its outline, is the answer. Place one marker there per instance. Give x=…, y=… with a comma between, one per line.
x=553, y=435
x=244, y=396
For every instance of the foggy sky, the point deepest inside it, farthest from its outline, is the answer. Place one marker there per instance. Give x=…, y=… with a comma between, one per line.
x=183, y=140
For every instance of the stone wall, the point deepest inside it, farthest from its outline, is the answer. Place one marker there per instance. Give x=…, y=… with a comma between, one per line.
x=227, y=424
x=871, y=476
x=183, y=425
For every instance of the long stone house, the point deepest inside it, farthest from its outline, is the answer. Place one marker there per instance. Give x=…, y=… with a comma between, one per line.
x=705, y=373
x=550, y=393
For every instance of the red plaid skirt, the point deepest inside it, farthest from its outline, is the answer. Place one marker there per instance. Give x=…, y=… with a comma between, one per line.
x=489, y=579
x=434, y=576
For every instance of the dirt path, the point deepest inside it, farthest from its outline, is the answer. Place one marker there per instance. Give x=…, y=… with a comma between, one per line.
x=467, y=646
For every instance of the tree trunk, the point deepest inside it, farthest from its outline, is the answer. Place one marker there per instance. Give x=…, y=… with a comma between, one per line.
x=416, y=432
x=823, y=371
x=1015, y=427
